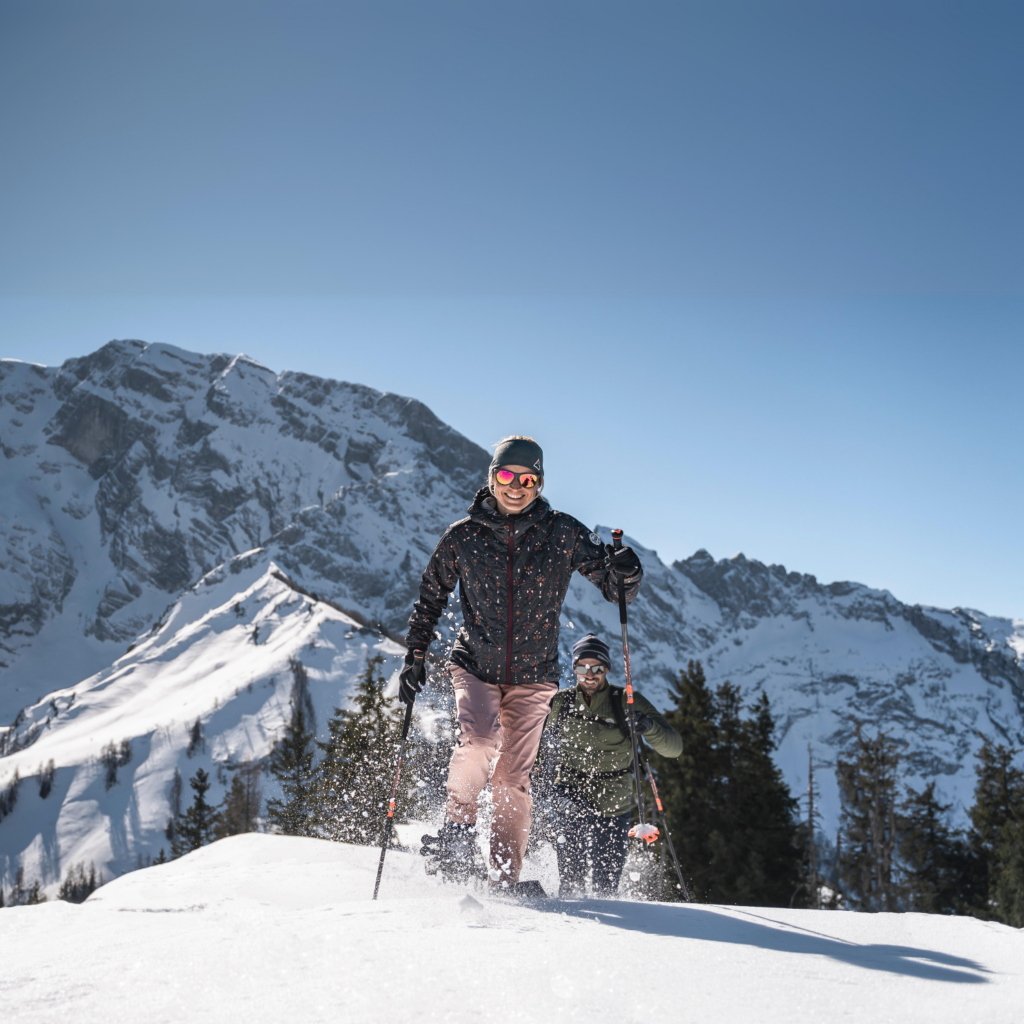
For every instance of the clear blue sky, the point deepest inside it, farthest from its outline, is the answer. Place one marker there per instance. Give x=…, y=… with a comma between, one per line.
x=752, y=272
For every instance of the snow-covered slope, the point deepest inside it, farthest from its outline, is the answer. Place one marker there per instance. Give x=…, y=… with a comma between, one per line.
x=266, y=928
x=144, y=478
x=225, y=656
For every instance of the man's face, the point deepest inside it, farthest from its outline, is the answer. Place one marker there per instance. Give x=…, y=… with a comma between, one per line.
x=590, y=683
x=515, y=498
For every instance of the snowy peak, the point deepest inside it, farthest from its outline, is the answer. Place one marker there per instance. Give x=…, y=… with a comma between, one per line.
x=746, y=587
x=747, y=590
x=131, y=472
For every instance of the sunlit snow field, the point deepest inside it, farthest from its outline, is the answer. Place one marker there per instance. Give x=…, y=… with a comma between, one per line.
x=271, y=928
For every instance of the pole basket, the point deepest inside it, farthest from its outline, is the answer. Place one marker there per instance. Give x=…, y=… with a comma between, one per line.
x=648, y=833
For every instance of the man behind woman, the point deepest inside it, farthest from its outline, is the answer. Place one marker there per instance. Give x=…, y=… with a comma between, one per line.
x=593, y=794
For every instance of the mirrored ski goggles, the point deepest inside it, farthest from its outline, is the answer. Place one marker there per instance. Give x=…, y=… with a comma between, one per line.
x=505, y=477
x=589, y=670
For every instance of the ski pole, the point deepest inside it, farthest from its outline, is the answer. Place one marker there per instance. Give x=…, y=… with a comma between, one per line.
x=642, y=831
x=664, y=822
x=390, y=823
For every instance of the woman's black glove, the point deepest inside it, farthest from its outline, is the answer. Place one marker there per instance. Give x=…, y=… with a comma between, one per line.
x=623, y=562
x=410, y=679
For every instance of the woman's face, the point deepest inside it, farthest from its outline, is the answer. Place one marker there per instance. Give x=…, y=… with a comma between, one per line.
x=514, y=498
x=590, y=683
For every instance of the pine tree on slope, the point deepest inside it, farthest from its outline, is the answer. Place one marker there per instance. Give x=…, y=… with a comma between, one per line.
x=998, y=821
x=240, y=809
x=1008, y=891
x=78, y=885
x=686, y=783
x=353, y=781
x=868, y=823
x=197, y=826
x=756, y=851
x=730, y=811
x=933, y=856
x=292, y=765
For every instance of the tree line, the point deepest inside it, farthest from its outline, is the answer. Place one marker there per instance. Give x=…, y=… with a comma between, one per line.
x=743, y=838
x=335, y=789
x=741, y=835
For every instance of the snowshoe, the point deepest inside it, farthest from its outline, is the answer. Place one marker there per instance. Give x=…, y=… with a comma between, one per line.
x=453, y=853
x=520, y=891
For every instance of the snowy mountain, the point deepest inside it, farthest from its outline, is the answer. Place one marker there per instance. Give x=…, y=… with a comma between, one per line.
x=261, y=928
x=178, y=532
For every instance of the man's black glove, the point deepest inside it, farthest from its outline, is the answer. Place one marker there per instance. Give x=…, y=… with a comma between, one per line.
x=410, y=679
x=643, y=723
x=622, y=561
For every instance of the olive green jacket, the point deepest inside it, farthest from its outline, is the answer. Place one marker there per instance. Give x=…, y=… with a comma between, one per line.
x=594, y=758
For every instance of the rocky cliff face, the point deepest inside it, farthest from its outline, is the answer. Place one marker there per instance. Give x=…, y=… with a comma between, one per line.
x=130, y=473
x=178, y=531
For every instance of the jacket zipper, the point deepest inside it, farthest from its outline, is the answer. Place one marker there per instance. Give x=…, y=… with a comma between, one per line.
x=508, y=643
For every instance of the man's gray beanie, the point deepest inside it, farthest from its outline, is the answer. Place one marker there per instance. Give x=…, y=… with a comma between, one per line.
x=518, y=452
x=591, y=646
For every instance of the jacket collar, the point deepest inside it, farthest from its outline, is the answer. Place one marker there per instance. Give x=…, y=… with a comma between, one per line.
x=600, y=705
x=484, y=510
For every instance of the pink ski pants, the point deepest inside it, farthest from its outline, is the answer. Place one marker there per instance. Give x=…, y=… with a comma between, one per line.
x=506, y=721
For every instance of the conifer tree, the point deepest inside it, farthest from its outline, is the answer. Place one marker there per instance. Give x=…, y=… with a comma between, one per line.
x=292, y=765
x=35, y=894
x=195, y=739
x=869, y=824
x=808, y=832
x=17, y=894
x=932, y=854
x=686, y=783
x=755, y=853
x=46, y=777
x=240, y=809
x=730, y=811
x=1008, y=891
x=197, y=826
x=998, y=821
x=353, y=781
x=78, y=885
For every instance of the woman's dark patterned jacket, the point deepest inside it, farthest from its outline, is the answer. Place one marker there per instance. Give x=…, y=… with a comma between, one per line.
x=514, y=572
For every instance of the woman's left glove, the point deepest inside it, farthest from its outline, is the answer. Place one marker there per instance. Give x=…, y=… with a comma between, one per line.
x=623, y=562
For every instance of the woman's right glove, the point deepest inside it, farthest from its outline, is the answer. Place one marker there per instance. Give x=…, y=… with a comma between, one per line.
x=410, y=679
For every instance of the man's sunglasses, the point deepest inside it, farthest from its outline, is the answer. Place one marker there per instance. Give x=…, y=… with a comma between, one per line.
x=590, y=670
x=506, y=477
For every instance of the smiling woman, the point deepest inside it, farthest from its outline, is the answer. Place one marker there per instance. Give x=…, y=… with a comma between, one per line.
x=512, y=559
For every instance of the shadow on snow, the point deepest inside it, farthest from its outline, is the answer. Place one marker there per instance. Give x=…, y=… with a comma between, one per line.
x=711, y=926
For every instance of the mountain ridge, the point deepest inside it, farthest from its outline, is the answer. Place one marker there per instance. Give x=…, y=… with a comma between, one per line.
x=138, y=467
